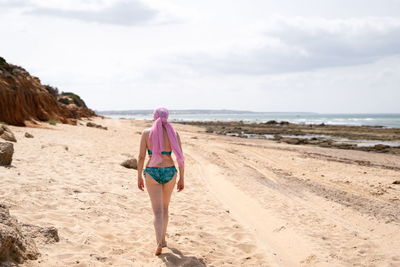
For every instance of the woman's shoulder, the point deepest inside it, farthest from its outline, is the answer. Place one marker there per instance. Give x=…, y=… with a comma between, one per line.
x=146, y=131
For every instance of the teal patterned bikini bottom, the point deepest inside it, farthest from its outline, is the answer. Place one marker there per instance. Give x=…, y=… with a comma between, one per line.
x=161, y=174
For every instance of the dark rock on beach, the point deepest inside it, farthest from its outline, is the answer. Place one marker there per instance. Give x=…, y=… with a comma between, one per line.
x=293, y=141
x=92, y=124
x=6, y=153
x=130, y=163
x=28, y=135
x=41, y=235
x=344, y=145
x=381, y=147
x=209, y=130
x=14, y=245
x=7, y=134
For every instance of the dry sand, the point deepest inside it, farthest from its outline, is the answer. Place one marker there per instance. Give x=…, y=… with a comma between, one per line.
x=246, y=202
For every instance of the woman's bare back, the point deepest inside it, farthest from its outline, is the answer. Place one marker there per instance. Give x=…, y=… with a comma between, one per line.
x=166, y=159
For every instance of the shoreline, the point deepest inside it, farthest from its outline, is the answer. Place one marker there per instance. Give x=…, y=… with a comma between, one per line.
x=389, y=120
x=364, y=138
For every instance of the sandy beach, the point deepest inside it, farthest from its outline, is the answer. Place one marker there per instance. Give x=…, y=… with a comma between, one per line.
x=247, y=202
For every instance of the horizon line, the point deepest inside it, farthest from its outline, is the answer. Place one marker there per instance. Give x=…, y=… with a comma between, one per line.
x=244, y=111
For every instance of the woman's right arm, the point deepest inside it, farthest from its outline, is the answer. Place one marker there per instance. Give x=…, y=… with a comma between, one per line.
x=141, y=159
x=181, y=182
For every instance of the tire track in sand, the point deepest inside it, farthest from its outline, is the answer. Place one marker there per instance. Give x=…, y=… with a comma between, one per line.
x=282, y=248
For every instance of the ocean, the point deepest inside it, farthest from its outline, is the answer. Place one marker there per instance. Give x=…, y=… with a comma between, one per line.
x=385, y=120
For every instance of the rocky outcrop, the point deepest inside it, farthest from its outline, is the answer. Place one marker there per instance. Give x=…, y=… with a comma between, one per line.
x=6, y=153
x=7, y=134
x=23, y=98
x=18, y=241
x=41, y=235
x=77, y=112
x=333, y=136
x=76, y=106
x=14, y=245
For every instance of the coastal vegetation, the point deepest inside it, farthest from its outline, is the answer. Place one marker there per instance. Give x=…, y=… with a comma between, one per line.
x=52, y=122
x=71, y=98
x=3, y=62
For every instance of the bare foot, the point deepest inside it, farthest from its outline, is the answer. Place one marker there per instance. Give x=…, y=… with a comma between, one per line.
x=164, y=243
x=158, y=249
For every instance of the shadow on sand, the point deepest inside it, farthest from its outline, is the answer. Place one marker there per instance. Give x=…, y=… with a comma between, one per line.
x=7, y=167
x=176, y=258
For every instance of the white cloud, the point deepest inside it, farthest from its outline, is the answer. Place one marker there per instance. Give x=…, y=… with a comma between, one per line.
x=13, y=3
x=121, y=12
x=303, y=44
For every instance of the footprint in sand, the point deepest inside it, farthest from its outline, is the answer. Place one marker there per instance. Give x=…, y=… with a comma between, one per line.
x=238, y=236
x=309, y=260
x=247, y=248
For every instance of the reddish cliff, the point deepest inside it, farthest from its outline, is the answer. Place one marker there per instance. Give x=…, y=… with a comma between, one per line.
x=23, y=98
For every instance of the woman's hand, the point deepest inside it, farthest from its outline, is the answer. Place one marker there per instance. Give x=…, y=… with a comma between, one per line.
x=140, y=183
x=180, y=185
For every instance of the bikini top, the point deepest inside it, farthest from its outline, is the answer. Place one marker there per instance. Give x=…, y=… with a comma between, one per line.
x=162, y=152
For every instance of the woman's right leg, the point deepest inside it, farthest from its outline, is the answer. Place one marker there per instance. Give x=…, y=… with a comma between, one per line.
x=156, y=196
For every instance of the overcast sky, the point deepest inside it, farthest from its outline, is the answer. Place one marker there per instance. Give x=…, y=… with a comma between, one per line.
x=331, y=56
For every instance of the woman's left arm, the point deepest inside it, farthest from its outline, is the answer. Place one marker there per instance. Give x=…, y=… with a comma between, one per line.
x=141, y=159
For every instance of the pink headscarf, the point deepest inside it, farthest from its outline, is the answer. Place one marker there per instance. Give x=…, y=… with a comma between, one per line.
x=160, y=117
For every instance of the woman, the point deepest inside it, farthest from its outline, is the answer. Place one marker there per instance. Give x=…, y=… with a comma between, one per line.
x=160, y=172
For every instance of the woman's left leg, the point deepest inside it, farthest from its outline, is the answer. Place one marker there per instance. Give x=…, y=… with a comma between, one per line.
x=167, y=192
